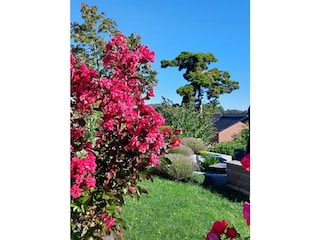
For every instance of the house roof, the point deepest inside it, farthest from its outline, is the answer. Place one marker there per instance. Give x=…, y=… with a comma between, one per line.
x=223, y=121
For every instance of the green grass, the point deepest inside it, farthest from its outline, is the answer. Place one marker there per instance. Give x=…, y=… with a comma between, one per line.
x=175, y=210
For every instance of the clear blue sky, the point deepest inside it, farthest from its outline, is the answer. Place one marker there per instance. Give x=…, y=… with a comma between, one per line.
x=170, y=27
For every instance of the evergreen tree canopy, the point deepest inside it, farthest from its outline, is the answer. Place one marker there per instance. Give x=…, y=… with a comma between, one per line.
x=211, y=83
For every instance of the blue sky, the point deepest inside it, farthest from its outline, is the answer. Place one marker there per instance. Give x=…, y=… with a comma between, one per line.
x=170, y=27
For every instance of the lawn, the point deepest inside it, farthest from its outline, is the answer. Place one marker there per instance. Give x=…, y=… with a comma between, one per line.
x=175, y=210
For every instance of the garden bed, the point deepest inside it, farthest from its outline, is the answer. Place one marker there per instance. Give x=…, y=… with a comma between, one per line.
x=215, y=174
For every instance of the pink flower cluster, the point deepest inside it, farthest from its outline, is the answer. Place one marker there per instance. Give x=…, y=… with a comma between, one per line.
x=81, y=172
x=119, y=98
x=120, y=95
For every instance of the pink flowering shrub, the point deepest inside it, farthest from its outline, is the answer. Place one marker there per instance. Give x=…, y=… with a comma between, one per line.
x=219, y=229
x=115, y=138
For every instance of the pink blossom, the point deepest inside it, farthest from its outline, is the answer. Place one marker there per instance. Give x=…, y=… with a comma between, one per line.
x=246, y=212
x=90, y=181
x=75, y=191
x=146, y=53
x=245, y=161
x=153, y=160
x=151, y=137
x=158, y=119
x=91, y=162
x=151, y=92
x=78, y=178
x=132, y=189
x=110, y=223
x=109, y=124
x=143, y=147
x=105, y=83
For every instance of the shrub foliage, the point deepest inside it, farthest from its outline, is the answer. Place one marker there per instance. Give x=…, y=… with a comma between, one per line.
x=186, y=117
x=238, y=143
x=115, y=138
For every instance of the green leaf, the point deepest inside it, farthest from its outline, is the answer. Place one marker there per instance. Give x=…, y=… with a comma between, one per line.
x=165, y=160
x=121, y=222
x=84, y=199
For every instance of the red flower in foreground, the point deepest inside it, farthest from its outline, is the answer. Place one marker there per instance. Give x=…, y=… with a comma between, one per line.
x=176, y=142
x=165, y=130
x=246, y=212
x=231, y=232
x=219, y=226
x=245, y=161
x=212, y=236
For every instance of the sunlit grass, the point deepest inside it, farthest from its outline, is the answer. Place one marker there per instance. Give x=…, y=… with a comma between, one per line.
x=175, y=210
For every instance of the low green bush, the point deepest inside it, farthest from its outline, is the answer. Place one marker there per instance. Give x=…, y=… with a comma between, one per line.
x=183, y=150
x=179, y=167
x=196, y=178
x=227, y=148
x=238, y=143
x=196, y=144
x=208, y=160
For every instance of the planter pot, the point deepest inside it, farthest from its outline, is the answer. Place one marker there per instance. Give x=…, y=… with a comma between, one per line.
x=238, y=178
x=215, y=179
x=220, y=168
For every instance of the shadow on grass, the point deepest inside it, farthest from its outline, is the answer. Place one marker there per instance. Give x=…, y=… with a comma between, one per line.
x=226, y=192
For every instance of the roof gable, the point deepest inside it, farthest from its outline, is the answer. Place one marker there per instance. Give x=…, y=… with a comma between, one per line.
x=224, y=121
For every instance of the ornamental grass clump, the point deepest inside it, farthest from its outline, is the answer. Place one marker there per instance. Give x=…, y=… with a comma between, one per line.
x=196, y=144
x=115, y=139
x=196, y=178
x=177, y=167
x=183, y=150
